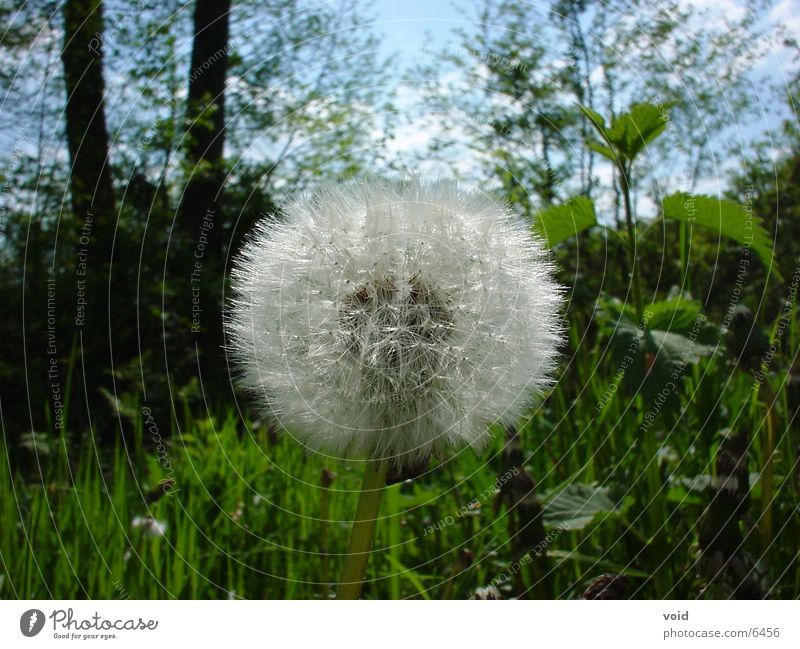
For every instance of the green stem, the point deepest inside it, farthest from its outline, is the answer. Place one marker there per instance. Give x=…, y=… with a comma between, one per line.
x=767, y=474
x=684, y=250
x=325, y=514
x=369, y=502
x=655, y=512
x=632, y=251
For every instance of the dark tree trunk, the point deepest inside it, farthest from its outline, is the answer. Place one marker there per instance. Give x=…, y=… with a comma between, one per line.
x=197, y=252
x=206, y=114
x=87, y=138
x=93, y=204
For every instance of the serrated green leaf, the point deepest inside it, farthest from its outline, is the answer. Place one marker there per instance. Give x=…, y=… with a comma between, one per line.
x=676, y=348
x=676, y=334
x=724, y=217
x=678, y=314
x=675, y=315
x=577, y=506
x=632, y=131
x=558, y=223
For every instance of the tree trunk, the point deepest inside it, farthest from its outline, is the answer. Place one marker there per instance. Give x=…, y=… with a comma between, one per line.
x=87, y=138
x=205, y=114
x=93, y=204
x=198, y=254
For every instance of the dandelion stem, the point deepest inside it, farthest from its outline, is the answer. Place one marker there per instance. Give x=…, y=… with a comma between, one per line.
x=325, y=514
x=363, y=531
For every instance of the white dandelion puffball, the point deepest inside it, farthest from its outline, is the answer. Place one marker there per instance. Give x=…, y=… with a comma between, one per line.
x=394, y=319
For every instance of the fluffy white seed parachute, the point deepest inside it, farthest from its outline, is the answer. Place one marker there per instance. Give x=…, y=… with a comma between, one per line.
x=394, y=319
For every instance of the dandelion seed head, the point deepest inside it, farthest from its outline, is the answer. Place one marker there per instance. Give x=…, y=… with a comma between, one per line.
x=394, y=319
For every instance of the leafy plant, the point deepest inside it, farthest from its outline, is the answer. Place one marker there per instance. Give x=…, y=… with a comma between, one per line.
x=560, y=222
x=726, y=218
x=629, y=133
x=577, y=506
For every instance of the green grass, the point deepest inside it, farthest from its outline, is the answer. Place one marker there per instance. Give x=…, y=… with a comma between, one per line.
x=244, y=517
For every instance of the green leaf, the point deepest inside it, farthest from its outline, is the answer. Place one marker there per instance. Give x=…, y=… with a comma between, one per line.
x=603, y=150
x=558, y=223
x=577, y=506
x=677, y=315
x=630, y=132
x=675, y=349
x=676, y=334
x=723, y=217
x=595, y=118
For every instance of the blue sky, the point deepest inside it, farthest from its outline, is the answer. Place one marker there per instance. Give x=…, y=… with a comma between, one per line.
x=404, y=23
x=414, y=24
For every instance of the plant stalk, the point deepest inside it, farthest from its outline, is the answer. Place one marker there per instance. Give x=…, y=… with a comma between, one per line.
x=325, y=514
x=657, y=517
x=683, y=243
x=767, y=474
x=363, y=530
x=632, y=243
